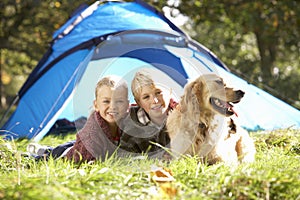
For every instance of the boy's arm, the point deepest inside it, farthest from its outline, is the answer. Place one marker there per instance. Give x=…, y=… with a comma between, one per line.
x=79, y=153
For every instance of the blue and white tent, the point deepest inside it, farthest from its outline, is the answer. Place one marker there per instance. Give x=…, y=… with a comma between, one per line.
x=121, y=38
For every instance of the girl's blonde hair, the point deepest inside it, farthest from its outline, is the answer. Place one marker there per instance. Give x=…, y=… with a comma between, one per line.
x=112, y=82
x=138, y=82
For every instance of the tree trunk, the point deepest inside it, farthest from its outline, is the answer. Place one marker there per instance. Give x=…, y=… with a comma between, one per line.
x=1, y=85
x=267, y=52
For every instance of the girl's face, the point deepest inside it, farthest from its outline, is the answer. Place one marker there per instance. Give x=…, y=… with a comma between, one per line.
x=112, y=104
x=151, y=100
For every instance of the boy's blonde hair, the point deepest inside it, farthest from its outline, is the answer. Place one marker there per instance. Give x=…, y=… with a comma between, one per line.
x=138, y=82
x=112, y=82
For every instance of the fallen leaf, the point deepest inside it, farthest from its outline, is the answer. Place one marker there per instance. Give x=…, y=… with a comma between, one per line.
x=161, y=175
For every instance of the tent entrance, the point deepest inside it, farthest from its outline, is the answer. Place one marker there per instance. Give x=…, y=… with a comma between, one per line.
x=166, y=57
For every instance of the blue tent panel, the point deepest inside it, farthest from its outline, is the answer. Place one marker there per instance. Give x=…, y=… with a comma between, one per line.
x=45, y=98
x=96, y=21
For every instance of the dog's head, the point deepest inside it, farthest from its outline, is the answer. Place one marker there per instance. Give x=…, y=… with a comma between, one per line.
x=208, y=93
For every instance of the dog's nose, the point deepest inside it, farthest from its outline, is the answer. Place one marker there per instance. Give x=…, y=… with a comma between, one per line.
x=240, y=93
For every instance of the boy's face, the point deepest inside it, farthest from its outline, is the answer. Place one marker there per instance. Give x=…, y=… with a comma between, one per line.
x=112, y=104
x=151, y=100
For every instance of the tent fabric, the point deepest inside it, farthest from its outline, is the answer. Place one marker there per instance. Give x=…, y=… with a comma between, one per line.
x=103, y=19
x=118, y=38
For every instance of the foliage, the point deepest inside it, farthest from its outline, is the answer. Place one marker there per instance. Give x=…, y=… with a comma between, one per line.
x=258, y=40
x=26, y=30
x=274, y=174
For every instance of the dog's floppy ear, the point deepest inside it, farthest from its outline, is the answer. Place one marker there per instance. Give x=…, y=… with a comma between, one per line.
x=189, y=101
x=186, y=97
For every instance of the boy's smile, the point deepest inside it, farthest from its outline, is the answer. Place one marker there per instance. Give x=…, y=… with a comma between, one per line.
x=112, y=104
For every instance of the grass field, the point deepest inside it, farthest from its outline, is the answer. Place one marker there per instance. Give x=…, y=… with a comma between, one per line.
x=274, y=174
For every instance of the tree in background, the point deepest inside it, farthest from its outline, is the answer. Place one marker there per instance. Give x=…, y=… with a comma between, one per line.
x=258, y=40
x=26, y=30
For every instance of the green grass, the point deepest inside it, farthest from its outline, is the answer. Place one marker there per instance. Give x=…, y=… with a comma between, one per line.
x=274, y=174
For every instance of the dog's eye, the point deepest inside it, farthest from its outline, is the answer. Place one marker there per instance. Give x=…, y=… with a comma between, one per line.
x=220, y=82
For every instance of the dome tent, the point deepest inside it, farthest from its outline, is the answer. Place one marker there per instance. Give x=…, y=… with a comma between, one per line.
x=121, y=38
